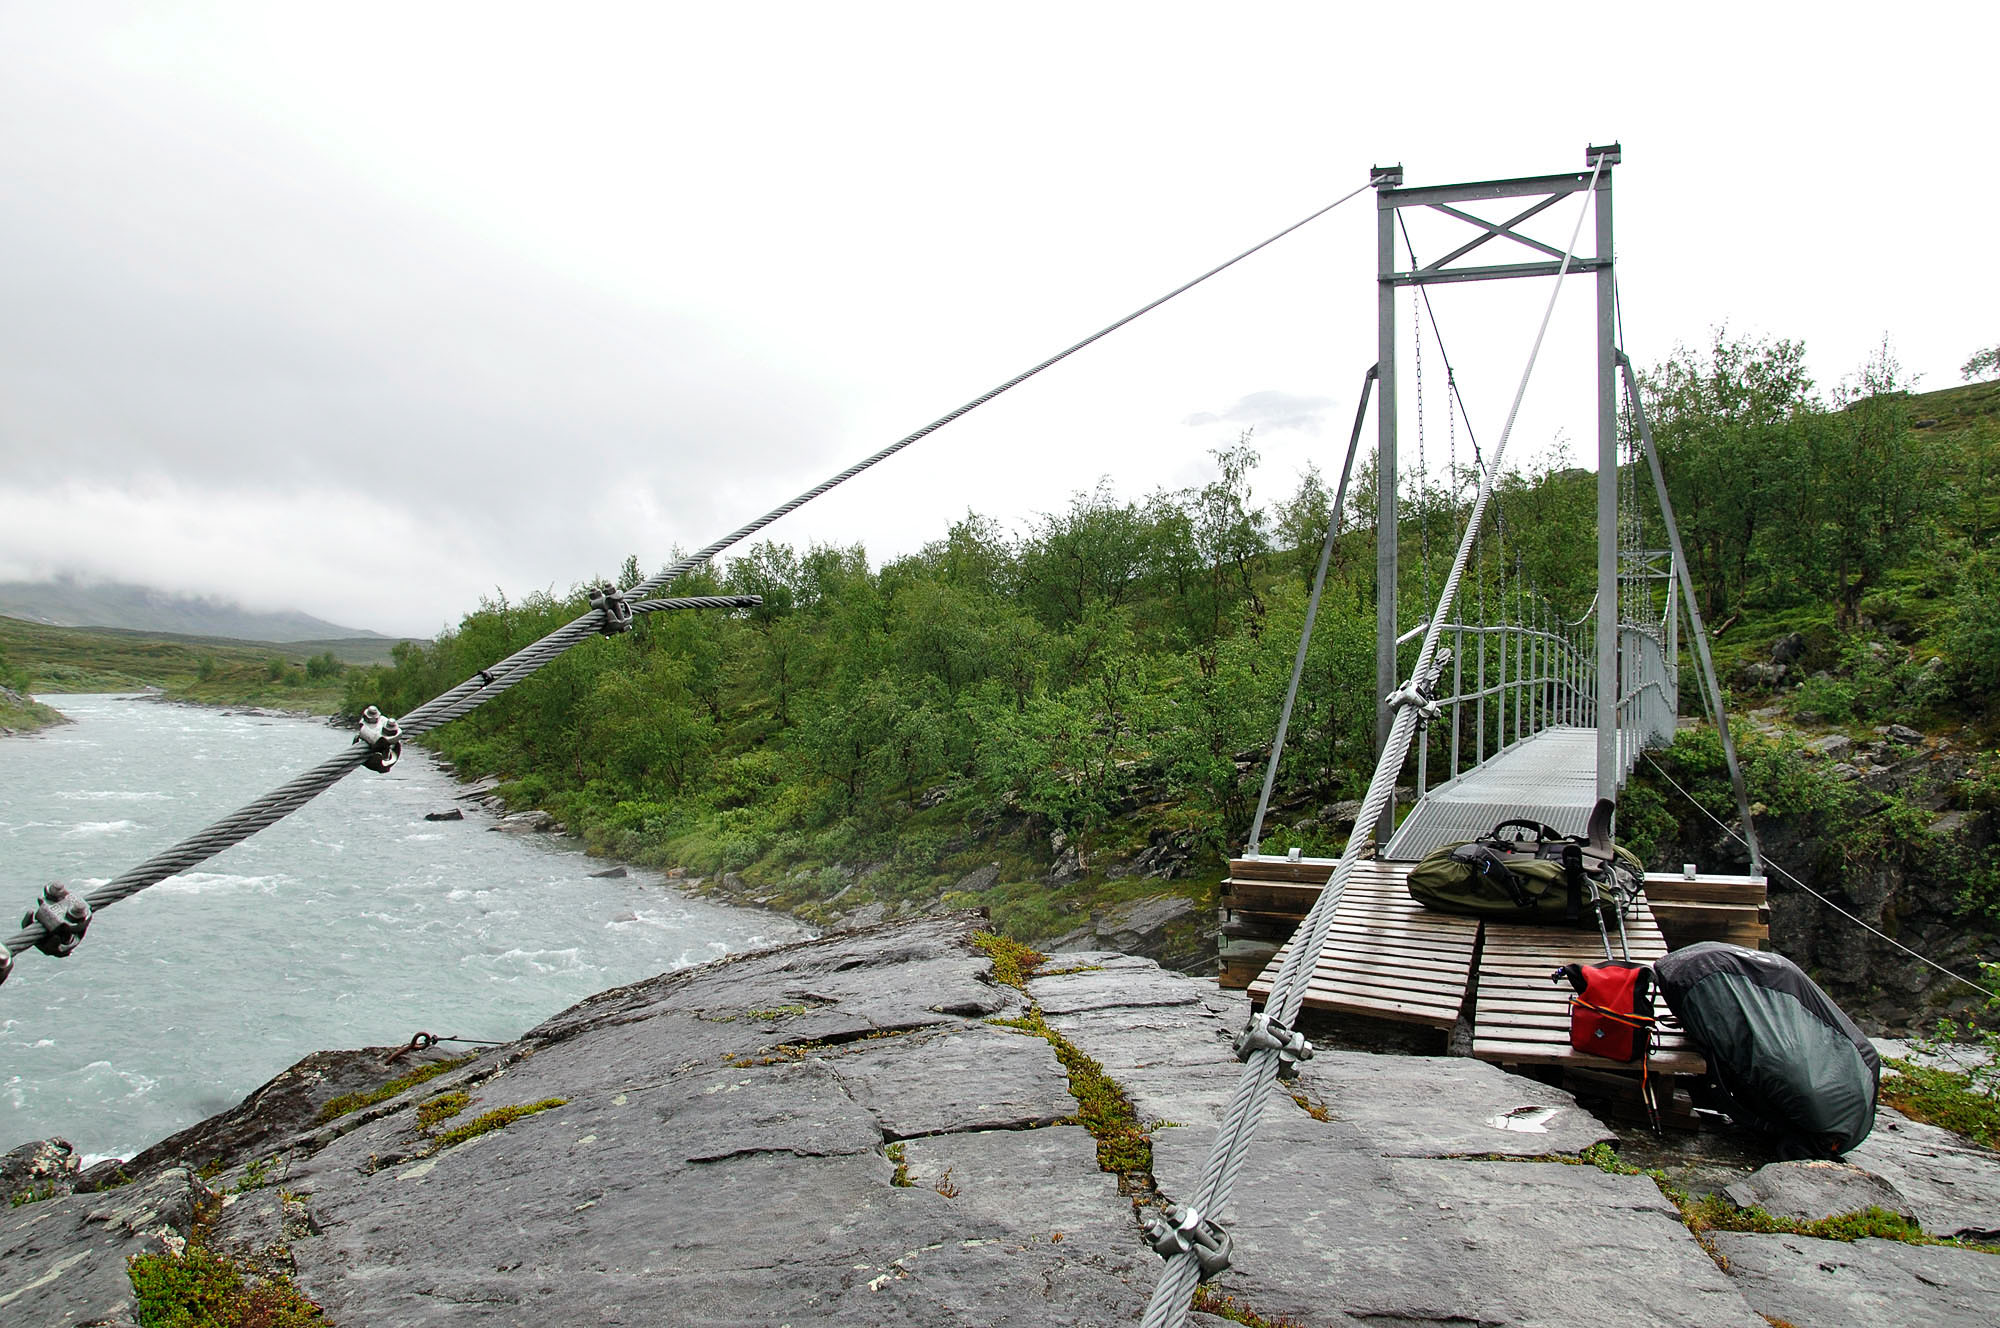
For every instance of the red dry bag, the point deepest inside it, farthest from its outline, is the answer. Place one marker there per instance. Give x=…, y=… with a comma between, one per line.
x=1611, y=1014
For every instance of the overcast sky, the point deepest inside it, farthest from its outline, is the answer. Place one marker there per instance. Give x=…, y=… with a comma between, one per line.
x=369, y=310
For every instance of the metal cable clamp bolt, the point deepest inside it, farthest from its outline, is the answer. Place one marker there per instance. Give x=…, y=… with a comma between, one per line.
x=1267, y=1034
x=614, y=610
x=383, y=737
x=1422, y=692
x=1183, y=1230
x=63, y=917
x=6, y=964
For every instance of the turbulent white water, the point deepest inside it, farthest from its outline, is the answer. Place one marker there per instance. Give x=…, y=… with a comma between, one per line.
x=353, y=922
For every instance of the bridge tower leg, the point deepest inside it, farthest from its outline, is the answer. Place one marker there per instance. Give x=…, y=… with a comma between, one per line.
x=1609, y=687
x=1387, y=679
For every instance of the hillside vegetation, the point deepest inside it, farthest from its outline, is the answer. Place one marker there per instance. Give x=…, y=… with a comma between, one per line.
x=304, y=675
x=1049, y=720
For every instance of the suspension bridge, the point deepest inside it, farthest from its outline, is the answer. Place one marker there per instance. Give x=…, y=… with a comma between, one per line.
x=1519, y=712
x=1523, y=713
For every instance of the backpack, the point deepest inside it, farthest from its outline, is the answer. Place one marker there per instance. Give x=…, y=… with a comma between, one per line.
x=1525, y=871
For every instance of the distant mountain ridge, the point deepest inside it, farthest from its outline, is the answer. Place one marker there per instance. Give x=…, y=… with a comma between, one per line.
x=66, y=602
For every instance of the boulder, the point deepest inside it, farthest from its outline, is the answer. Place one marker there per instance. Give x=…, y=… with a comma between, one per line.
x=455, y=814
x=979, y=879
x=610, y=874
x=38, y=1166
x=1788, y=649
x=1811, y=1191
x=1168, y=929
x=530, y=822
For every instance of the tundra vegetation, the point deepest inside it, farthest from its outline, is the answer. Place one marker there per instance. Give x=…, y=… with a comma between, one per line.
x=1106, y=678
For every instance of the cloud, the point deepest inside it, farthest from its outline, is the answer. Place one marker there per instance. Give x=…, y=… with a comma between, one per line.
x=1271, y=411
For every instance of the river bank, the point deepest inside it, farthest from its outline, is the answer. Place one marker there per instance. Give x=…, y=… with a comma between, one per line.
x=21, y=714
x=354, y=921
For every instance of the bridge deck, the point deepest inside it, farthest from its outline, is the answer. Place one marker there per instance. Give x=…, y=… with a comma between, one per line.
x=1550, y=776
x=1389, y=957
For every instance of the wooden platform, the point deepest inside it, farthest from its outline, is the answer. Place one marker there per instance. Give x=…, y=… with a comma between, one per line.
x=1388, y=957
x=1522, y=1018
x=1710, y=908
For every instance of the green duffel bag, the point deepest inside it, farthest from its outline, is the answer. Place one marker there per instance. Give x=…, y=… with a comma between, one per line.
x=1527, y=872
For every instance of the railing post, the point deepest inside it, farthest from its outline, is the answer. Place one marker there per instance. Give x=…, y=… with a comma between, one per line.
x=1457, y=690
x=1479, y=707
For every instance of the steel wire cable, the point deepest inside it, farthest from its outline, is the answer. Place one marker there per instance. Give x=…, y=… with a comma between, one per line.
x=491, y=682
x=1169, y=1305
x=1865, y=926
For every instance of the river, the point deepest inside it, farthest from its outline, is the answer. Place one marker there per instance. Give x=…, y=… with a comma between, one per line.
x=353, y=922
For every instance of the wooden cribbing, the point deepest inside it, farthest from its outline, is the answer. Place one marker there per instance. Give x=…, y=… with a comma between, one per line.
x=1389, y=957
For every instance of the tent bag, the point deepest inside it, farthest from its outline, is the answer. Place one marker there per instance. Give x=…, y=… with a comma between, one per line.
x=1790, y=1062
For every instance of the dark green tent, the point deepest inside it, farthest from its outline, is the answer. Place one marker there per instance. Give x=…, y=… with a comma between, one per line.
x=1792, y=1064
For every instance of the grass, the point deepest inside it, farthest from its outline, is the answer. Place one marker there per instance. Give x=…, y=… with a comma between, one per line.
x=256, y=1175
x=1207, y=1300
x=899, y=1155
x=498, y=1119
x=199, y=1288
x=348, y=1102
x=1714, y=1212
x=25, y=715
x=1123, y=1146
x=1944, y=1098
x=440, y=1109
x=22, y=1198
x=1013, y=962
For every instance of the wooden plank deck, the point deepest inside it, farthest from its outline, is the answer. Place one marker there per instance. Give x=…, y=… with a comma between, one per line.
x=1523, y=1016
x=1389, y=957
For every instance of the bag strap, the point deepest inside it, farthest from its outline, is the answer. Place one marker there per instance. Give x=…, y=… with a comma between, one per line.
x=1572, y=860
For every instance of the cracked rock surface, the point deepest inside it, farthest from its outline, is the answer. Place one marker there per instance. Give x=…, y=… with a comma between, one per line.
x=833, y=1133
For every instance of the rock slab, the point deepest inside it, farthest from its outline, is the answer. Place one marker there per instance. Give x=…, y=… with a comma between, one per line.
x=854, y=1130
x=1866, y=1284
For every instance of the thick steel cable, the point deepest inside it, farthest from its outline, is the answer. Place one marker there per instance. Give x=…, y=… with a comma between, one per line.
x=489, y=683
x=1171, y=1294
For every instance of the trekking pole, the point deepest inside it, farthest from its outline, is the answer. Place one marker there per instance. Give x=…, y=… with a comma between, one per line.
x=1597, y=907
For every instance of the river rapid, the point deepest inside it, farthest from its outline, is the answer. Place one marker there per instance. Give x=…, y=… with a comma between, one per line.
x=353, y=922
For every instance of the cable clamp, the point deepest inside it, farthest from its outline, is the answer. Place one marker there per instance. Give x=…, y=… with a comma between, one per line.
x=6, y=964
x=1183, y=1230
x=1267, y=1034
x=383, y=737
x=1421, y=693
x=63, y=917
x=614, y=609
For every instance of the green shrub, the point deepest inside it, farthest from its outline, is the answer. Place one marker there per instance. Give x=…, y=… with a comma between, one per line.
x=199, y=1288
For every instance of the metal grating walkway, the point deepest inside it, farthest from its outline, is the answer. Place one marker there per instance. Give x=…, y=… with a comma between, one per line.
x=1549, y=777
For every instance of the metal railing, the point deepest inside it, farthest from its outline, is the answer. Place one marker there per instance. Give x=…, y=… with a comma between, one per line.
x=1508, y=682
